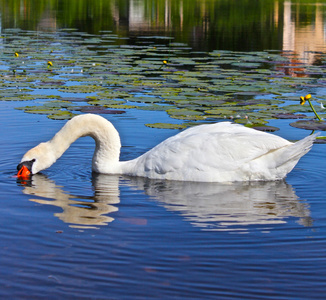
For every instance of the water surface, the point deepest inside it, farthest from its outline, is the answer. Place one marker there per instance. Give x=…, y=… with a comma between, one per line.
x=71, y=234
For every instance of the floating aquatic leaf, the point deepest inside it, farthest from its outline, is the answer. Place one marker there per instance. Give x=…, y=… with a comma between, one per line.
x=288, y=98
x=182, y=112
x=50, y=85
x=99, y=110
x=249, y=65
x=221, y=111
x=207, y=102
x=178, y=44
x=22, y=97
x=260, y=117
x=74, y=99
x=106, y=102
x=289, y=116
x=243, y=121
x=81, y=89
x=144, y=99
x=68, y=29
x=263, y=127
x=120, y=106
x=39, y=110
x=57, y=104
x=189, y=117
x=192, y=85
x=309, y=125
x=155, y=107
x=320, y=140
x=61, y=115
x=166, y=126
x=111, y=93
x=300, y=108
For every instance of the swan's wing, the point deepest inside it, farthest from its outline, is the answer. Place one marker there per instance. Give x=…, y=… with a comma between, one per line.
x=208, y=149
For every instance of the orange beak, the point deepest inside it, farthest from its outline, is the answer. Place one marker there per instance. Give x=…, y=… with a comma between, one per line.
x=23, y=172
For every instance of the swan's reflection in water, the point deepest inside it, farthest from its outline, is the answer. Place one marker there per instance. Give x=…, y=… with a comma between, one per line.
x=78, y=211
x=231, y=206
x=210, y=206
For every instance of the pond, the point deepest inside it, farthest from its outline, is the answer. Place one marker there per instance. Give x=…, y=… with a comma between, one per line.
x=153, y=69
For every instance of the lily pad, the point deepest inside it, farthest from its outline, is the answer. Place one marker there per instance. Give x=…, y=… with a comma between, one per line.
x=144, y=99
x=221, y=111
x=41, y=110
x=196, y=86
x=182, y=112
x=100, y=110
x=310, y=125
x=62, y=115
x=320, y=140
x=166, y=126
x=22, y=97
x=300, y=108
x=289, y=116
x=74, y=99
x=103, y=102
x=263, y=127
x=154, y=107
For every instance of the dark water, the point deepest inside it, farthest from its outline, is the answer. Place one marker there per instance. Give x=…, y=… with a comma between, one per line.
x=70, y=234
x=241, y=25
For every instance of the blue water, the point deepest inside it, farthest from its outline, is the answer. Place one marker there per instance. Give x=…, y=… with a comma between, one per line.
x=69, y=234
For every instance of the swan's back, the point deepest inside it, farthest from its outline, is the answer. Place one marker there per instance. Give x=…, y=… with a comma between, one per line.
x=218, y=153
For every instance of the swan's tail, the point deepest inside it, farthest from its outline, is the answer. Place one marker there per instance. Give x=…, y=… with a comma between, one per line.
x=290, y=155
x=300, y=148
x=278, y=163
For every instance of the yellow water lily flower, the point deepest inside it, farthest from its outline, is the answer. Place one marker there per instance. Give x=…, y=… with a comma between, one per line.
x=50, y=64
x=16, y=54
x=307, y=98
x=302, y=100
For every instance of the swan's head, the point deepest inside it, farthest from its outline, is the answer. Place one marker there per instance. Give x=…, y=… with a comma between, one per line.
x=36, y=160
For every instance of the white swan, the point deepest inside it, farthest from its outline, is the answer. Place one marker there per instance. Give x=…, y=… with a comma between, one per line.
x=218, y=152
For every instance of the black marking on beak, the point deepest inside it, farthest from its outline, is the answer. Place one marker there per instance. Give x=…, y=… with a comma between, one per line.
x=27, y=164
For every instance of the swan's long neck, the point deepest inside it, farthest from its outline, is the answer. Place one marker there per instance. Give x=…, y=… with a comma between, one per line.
x=107, y=140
